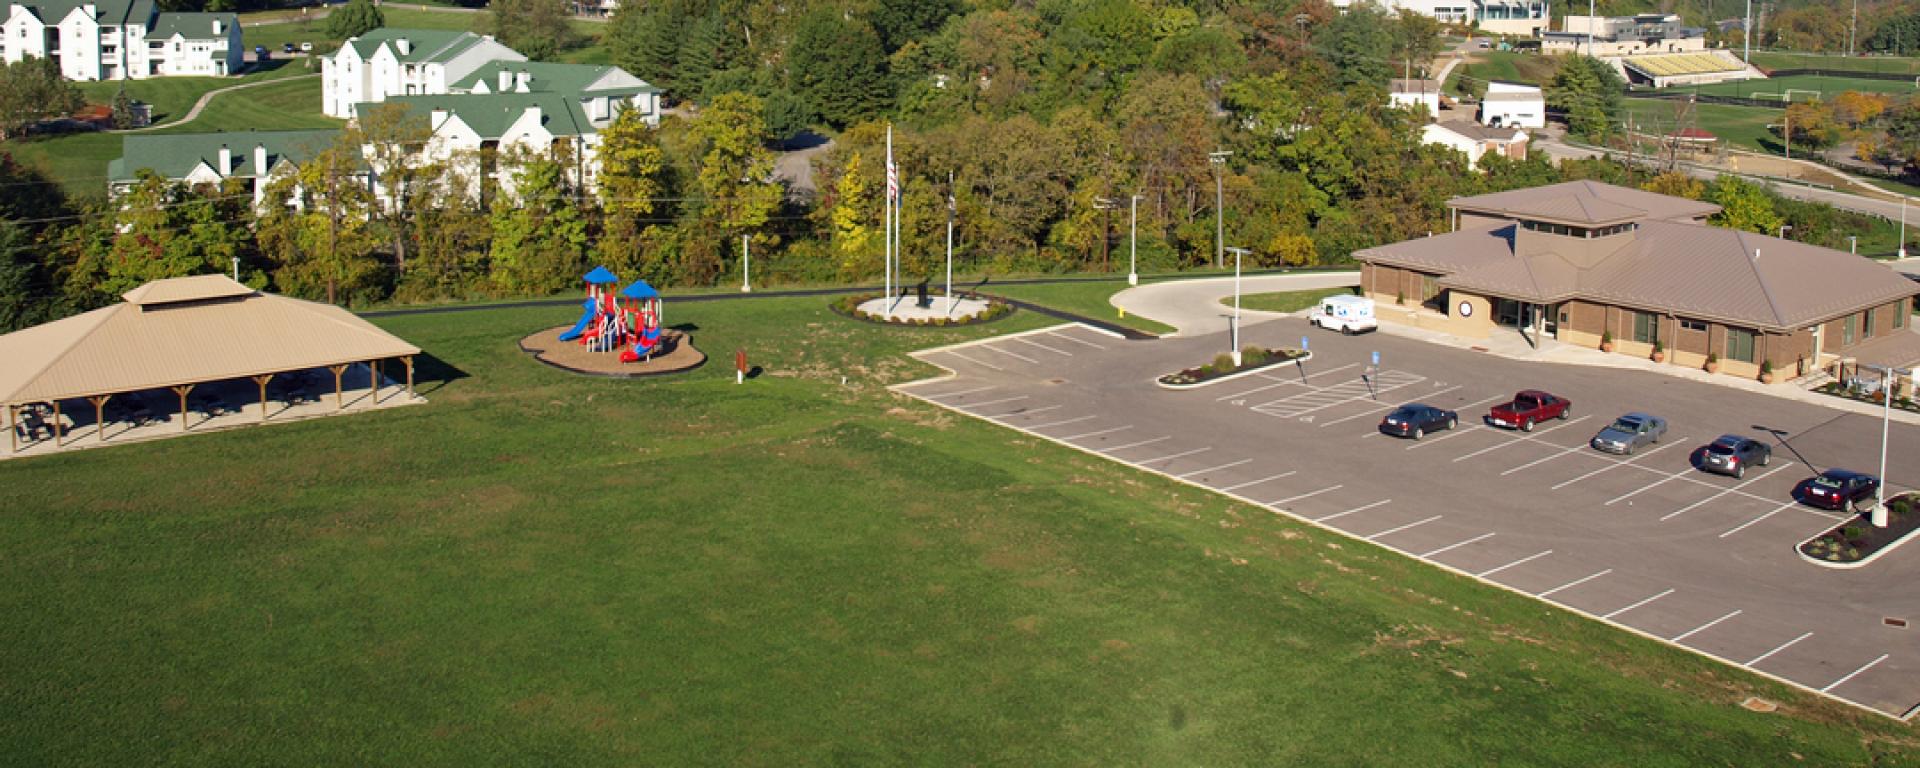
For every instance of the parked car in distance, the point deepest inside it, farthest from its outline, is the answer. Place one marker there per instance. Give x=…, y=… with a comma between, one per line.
x=306, y=47
x=1732, y=454
x=286, y=47
x=1628, y=433
x=1417, y=419
x=260, y=53
x=1837, y=489
x=1346, y=314
x=1527, y=408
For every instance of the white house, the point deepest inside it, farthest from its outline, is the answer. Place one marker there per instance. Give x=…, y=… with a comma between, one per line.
x=121, y=39
x=254, y=157
x=1475, y=140
x=403, y=62
x=482, y=135
x=1501, y=17
x=1513, y=104
x=600, y=90
x=1412, y=93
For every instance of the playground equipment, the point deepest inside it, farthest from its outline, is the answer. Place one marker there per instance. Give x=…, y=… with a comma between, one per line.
x=609, y=320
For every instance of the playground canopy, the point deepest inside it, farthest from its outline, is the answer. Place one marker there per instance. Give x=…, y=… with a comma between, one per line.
x=601, y=276
x=184, y=331
x=640, y=290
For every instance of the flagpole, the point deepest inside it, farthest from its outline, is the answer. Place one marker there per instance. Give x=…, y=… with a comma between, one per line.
x=950, y=212
x=887, y=223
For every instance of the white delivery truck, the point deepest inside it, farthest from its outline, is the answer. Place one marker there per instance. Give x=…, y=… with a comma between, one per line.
x=1346, y=314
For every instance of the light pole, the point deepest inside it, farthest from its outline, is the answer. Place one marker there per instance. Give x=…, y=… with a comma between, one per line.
x=1853, y=244
x=953, y=207
x=746, y=266
x=1889, y=376
x=1219, y=162
x=1133, y=240
x=1746, y=33
x=1235, y=323
x=1903, y=226
x=1105, y=206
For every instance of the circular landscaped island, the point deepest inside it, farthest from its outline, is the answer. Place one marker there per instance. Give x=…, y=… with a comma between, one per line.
x=906, y=310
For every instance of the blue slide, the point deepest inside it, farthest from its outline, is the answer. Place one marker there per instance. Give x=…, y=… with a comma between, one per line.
x=581, y=327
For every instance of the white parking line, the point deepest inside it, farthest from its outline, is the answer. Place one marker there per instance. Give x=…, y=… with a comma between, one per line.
x=1544, y=459
x=1743, y=526
x=1060, y=423
x=1782, y=647
x=1371, y=411
x=1450, y=547
x=1288, y=473
x=1850, y=675
x=1277, y=382
x=981, y=363
x=1638, y=604
x=1647, y=487
x=1028, y=411
x=1404, y=527
x=1057, y=334
x=1617, y=464
x=1213, y=469
x=1014, y=355
x=1517, y=441
x=1575, y=583
x=1092, y=434
x=1174, y=456
x=1351, y=511
x=1032, y=343
x=1497, y=569
x=1331, y=370
x=1702, y=628
x=1689, y=507
x=959, y=393
x=1304, y=495
x=992, y=402
x=1135, y=445
x=1450, y=435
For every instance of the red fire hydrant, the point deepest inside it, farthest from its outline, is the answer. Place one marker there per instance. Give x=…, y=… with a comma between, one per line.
x=739, y=366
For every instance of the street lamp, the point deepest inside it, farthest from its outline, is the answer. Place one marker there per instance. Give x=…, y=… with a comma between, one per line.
x=1133, y=240
x=1888, y=377
x=1219, y=162
x=1234, y=325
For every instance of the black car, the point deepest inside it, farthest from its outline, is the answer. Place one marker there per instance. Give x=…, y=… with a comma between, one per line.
x=1416, y=419
x=260, y=53
x=1732, y=454
x=1837, y=489
x=286, y=47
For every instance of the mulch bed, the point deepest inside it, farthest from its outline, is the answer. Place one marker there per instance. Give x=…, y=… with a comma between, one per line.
x=1857, y=539
x=675, y=354
x=1251, y=359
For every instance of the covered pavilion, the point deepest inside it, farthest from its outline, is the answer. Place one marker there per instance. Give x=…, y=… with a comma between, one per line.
x=177, y=334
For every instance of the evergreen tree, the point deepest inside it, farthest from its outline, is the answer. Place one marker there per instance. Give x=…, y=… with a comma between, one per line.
x=1590, y=93
x=837, y=65
x=537, y=28
x=901, y=21
x=1360, y=42
x=354, y=19
x=703, y=52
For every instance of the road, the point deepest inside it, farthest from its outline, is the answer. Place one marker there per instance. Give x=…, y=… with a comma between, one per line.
x=1193, y=306
x=1889, y=210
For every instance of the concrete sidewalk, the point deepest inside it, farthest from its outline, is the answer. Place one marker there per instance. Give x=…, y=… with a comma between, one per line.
x=1194, y=307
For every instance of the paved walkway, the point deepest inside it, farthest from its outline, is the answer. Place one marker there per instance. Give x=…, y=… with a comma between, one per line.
x=207, y=97
x=1193, y=306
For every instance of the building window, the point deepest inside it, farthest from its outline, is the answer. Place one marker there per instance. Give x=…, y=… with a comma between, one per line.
x=1646, y=327
x=1740, y=345
x=1866, y=332
x=1693, y=325
x=1900, y=316
x=1846, y=332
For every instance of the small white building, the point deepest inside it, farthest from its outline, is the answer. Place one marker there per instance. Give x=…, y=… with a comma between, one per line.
x=1500, y=17
x=403, y=62
x=1513, y=104
x=1476, y=141
x=121, y=39
x=1416, y=93
x=1605, y=36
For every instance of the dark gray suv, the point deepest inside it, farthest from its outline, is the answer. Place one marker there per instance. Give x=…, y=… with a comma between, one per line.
x=1732, y=454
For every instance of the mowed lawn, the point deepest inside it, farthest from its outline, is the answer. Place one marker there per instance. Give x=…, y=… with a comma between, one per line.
x=1804, y=87
x=287, y=28
x=537, y=568
x=1088, y=298
x=1772, y=60
x=1291, y=301
x=172, y=97
x=292, y=104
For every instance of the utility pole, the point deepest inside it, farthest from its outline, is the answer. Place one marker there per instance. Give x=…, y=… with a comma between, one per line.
x=1219, y=162
x=1786, y=130
x=1853, y=26
x=1105, y=206
x=952, y=207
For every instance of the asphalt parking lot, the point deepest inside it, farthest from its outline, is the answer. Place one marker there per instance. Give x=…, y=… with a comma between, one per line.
x=1645, y=542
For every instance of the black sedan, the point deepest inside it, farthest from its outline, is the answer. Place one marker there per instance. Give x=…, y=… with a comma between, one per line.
x=1732, y=454
x=1417, y=419
x=1837, y=489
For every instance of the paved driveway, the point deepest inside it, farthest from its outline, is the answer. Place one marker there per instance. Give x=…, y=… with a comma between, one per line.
x=1642, y=542
x=1193, y=306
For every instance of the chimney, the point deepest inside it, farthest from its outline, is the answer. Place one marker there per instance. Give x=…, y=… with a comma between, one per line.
x=260, y=160
x=506, y=81
x=439, y=118
x=226, y=161
x=92, y=11
x=522, y=80
x=219, y=27
x=538, y=118
x=404, y=46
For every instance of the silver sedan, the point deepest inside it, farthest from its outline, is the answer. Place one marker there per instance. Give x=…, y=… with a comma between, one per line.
x=1628, y=433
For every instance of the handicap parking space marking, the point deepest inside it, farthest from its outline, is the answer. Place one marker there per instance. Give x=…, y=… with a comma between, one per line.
x=1186, y=475
x=981, y=363
x=1173, y=456
x=1855, y=673
x=1250, y=483
x=1135, y=444
x=1304, y=495
x=1014, y=355
x=1075, y=339
x=1276, y=384
x=1638, y=604
x=1524, y=438
x=1499, y=568
x=1616, y=464
x=1092, y=434
x=1027, y=411
x=957, y=394
x=1016, y=398
x=1377, y=409
x=1745, y=525
x=1032, y=343
x=1723, y=492
x=1574, y=583
x=1290, y=407
x=1781, y=647
x=1450, y=547
x=1060, y=423
x=1397, y=529
x=1702, y=628
x=1361, y=508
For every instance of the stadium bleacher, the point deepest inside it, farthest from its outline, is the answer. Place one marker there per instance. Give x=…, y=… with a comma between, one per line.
x=1678, y=64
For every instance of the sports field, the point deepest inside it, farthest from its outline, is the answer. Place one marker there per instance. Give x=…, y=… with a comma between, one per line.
x=1804, y=87
x=541, y=568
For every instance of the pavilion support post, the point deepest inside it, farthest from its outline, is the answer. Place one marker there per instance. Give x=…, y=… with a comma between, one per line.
x=262, y=381
x=100, y=415
x=407, y=360
x=339, y=400
x=13, y=428
x=56, y=424
x=183, y=390
x=373, y=380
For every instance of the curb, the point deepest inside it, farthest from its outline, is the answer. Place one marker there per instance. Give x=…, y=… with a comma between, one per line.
x=1304, y=357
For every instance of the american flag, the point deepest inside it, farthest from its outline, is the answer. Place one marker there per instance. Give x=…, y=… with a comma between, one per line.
x=893, y=173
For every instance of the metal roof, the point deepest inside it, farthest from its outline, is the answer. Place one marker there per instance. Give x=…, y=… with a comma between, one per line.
x=184, y=331
x=1656, y=206
x=175, y=155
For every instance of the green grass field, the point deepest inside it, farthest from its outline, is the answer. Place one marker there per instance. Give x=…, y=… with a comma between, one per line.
x=77, y=161
x=1291, y=301
x=1503, y=65
x=543, y=568
x=290, y=105
x=172, y=97
x=1088, y=298
x=1772, y=60
x=1802, y=85
x=297, y=30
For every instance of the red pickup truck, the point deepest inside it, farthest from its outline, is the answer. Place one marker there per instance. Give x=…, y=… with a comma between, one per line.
x=1528, y=408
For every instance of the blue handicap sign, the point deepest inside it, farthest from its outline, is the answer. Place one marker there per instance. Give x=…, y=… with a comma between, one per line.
x=1376, y=359
x=1303, y=343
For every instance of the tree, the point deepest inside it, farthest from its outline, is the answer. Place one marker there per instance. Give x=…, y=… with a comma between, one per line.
x=123, y=117
x=632, y=171
x=900, y=21
x=837, y=65
x=1743, y=206
x=1416, y=39
x=22, y=284
x=1589, y=92
x=735, y=179
x=645, y=40
x=540, y=240
x=1360, y=41
x=704, y=50
x=1676, y=184
x=315, y=227
x=31, y=90
x=354, y=19
x=855, y=231
x=1812, y=123
x=392, y=136
x=537, y=28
